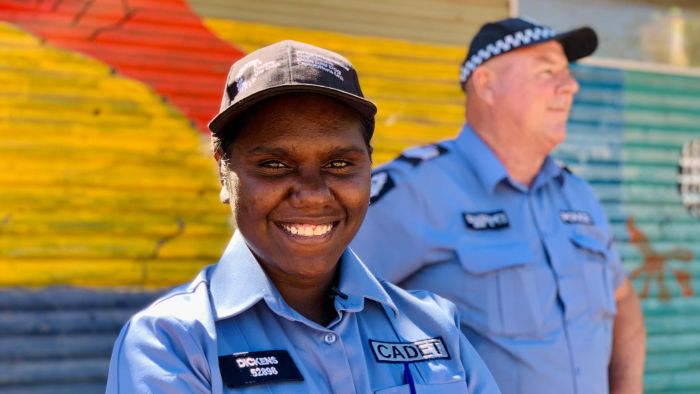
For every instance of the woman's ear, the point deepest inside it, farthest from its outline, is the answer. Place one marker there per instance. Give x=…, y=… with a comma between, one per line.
x=224, y=172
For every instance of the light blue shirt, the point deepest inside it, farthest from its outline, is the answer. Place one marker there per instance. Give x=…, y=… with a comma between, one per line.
x=231, y=324
x=532, y=270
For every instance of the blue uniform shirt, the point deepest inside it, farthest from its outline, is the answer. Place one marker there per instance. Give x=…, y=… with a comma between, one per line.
x=230, y=331
x=532, y=270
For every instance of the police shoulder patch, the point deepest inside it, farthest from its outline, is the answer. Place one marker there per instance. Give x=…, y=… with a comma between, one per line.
x=381, y=183
x=251, y=368
x=409, y=352
x=419, y=154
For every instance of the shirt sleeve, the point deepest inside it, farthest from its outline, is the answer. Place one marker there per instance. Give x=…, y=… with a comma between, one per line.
x=154, y=355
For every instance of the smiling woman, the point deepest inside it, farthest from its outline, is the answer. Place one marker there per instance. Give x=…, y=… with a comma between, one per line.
x=289, y=308
x=299, y=187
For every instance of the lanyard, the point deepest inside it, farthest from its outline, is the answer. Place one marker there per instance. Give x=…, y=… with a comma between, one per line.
x=409, y=378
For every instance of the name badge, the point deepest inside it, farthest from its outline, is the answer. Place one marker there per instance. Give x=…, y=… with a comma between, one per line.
x=486, y=220
x=250, y=368
x=409, y=352
x=575, y=217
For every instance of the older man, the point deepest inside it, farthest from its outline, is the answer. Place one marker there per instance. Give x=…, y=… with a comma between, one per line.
x=518, y=242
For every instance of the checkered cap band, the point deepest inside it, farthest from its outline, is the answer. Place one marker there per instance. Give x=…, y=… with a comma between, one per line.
x=502, y=45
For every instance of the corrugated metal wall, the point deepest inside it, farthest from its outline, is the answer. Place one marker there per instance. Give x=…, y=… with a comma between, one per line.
x=626, y=132
x=626, y=135
x=439, y=21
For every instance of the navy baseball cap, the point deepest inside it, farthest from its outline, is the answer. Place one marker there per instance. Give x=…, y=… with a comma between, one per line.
x=503, y=36
x=289, y=67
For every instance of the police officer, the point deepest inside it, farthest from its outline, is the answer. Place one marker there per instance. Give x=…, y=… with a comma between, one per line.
x=289, y=308
x=522, y=246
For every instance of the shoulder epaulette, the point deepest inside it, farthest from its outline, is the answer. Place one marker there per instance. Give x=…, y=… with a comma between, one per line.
x=418, y=154
x=563, y=166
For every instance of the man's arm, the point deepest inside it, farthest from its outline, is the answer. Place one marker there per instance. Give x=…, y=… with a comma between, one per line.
x=626, y=369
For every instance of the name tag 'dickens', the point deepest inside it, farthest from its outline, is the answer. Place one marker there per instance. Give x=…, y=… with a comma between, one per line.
x=486, y=220
x=250, y=368
x=409, y=352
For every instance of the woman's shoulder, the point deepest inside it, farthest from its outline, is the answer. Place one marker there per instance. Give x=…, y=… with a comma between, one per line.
x=184, y=308
x=422, y=304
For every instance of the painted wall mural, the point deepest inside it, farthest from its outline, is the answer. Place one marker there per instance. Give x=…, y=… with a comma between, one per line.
x=108, y=191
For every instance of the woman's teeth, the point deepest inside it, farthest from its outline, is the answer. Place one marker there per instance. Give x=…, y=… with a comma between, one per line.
x=308, y=230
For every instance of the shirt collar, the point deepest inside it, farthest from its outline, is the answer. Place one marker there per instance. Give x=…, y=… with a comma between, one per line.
x=238, y=282
x=490, y=170
x=551, y=169
x=358, y=284
x=482, y=160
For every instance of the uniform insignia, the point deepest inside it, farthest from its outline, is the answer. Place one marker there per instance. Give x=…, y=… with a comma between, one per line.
x=380, y=184
x=576, y=217
x=251, y=368
x=419, y=154
x=409, y=352
x=486, y=220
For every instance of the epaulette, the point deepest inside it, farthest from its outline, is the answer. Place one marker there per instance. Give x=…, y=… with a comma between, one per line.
x=564, y=166
x=419, y=154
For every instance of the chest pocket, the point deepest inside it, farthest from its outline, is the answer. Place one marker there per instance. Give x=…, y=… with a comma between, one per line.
x=593, y=248
x=444, y=388
x=502, y=291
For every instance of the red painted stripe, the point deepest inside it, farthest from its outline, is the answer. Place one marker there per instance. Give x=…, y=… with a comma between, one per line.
x=162, y=43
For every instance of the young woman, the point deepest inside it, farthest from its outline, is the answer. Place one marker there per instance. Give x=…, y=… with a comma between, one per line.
x=289, y=308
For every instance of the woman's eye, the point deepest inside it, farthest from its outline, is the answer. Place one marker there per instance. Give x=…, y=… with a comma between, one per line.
x=273, y=164
x=338, y=164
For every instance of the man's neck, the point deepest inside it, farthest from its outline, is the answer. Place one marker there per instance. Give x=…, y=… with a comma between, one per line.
x=520, y=161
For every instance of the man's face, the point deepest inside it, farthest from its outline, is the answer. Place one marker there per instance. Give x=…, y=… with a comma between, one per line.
x=534, y=91
x=299, y=184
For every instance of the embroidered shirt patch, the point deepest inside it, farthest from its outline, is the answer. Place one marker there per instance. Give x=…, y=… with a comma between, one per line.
x=409, y=352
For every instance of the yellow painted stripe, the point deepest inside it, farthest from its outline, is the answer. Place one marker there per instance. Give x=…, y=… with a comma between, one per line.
x=103, y=184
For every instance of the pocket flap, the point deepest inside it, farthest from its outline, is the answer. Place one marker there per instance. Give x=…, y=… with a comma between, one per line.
x=481, y=259
x=592, y=242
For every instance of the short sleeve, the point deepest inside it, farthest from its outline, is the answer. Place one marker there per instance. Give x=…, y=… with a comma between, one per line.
x=157, y=355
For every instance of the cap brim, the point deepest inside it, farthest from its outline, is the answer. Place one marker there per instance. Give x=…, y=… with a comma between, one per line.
x=578, y=43
x=365, y=107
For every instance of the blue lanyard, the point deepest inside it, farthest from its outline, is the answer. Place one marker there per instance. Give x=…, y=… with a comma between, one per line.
x=409, y=378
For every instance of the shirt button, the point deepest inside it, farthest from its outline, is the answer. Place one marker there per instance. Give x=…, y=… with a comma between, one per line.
x=330, y=338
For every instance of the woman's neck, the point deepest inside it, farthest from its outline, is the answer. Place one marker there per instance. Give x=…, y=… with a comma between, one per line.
x=311, y=297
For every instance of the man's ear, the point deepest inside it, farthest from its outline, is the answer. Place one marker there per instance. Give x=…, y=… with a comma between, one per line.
x=482, y=84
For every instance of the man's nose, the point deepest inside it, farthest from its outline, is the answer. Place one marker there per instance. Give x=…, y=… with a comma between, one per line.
x=568, y=84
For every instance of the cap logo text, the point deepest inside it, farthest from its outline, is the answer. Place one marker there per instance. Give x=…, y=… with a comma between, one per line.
x=319, y=62
x=250, y=72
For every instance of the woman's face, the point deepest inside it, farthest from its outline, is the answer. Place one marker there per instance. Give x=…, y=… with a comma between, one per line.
x=299, y=184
